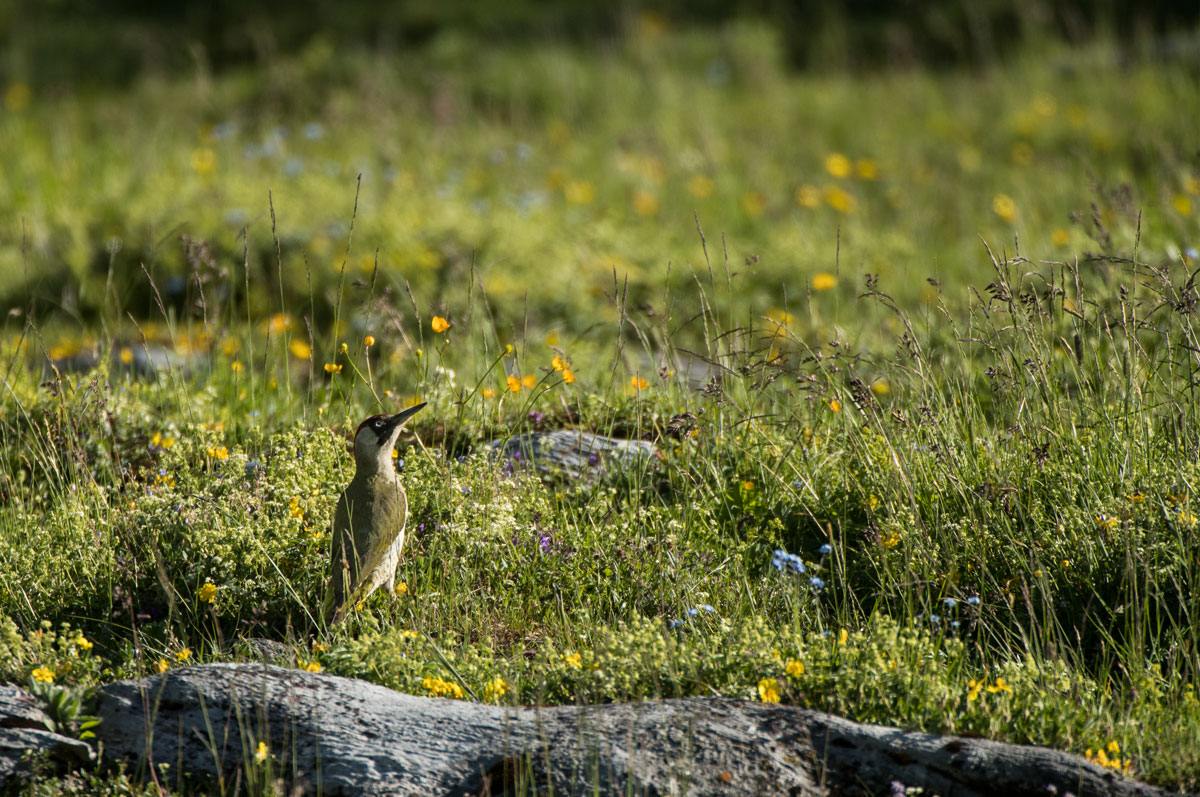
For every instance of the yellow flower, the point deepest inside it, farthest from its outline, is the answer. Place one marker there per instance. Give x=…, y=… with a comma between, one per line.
x=207, y=592
x=126, y=355
x=573, y=660
x=1000, y=686
x=891, y=540
x=823, y=281
x=639, y=383
x=835, y=405
x=1182, y=204
x=1106, y=522
x=747, y=486
x=163, y=666
x=1060, y=237
x=768, y=690
x=1137, y=497
x=439, y=324
x=529, y=380
x=300, y=350
x=408, y=634
x=867, y=168
x=237, y=367
x=579, y=192
x=568, y=375
x=794, y=668
x=369, y=341
x=331, y=368
x=840, y=199
x=513, y=383
x=837, y=164
x=83, y=643
x=439, y=688
x=1004, y=207
x=644, y=202
x=401, y=588
x=558, y=363
x=294, y=510
x=280, y=323
x=203, y=160
x=183, y=655
x=313, y=666
x=495, y=689
x=808, y=196
x=260, y=755
x=843, y=636
x=753, y=203
x=488, y=393
x=343, y=349
x=1113, y=747
x=881, y=387
x=872, y=502
x=973, y=690
x=218, y=452
x=43, y=675
x=700, y=186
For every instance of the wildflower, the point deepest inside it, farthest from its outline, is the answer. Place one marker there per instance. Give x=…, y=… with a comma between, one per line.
x=837, y=164
x=700, y=186
x=808, y=196
x=488, y=393
x=1136, y=497
x=1106, y=522
x=934, y=619
x=753, y=203
x=639, y=383
x=1060, y=237
x=408, y=634
x=344, y=348
x=950, y=603
x=1000, y=686
x=817, y=584
x=1182, y=205
x=794, y=668
x=891, y=540
x=1113, y=747
x=163, y=665
x=825, y=549
x=974, y=600
x=237, y=367
x=573, y=660
x=881, y=387
x=644, y=202
x=1004, y=207
x=260, y=755
x=835, y=405
x=495, y=689
x=823, y=281
x=313, y=666
x=439, y=324
x=529, y=380
x=568, y=375
x=513, y=383
x=300, y=350
x=867, y=168
x=218, y=452
x=83, y=643
x=872, y=502
x=203, y=160
x=332, y=368
x=439, y=688
x=840, y=199
x=579, y=192
x=126, y=355
x=973, y=687
x=747, y=486
x=183, y=655
x=294, y=510
x=369, y=341
x=782, y=560
x=43, y=675
x=768, y=690
x=401, y=588
x=843, y=636
x=558, y=363
x=207, y=592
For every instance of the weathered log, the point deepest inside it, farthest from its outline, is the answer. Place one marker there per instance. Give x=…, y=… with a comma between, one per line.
x=342, y=736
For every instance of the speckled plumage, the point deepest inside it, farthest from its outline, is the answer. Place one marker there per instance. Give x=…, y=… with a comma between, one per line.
x=368, y=523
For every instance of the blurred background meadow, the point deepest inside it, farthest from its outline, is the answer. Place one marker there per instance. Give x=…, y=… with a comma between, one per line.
x=903, y=297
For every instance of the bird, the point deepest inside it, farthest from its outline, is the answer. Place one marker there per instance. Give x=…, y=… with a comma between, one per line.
x=368, y=522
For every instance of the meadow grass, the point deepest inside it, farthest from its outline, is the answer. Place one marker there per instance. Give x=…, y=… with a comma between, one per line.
x=927, y=447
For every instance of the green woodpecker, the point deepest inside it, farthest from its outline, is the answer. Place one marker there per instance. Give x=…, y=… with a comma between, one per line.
x=368, y=524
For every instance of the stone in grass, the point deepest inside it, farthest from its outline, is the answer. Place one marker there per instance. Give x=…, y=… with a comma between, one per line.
x=24, y=738
x=571, y=453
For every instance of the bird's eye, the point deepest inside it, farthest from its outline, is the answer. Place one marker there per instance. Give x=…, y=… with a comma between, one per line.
x=378, y=424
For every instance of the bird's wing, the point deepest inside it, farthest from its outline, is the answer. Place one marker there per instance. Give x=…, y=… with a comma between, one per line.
x=343, y=564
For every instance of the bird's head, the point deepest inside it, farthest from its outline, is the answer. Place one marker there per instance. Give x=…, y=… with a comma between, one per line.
x=376, y=437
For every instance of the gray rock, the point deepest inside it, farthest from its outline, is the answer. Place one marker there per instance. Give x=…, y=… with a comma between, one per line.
x=338, y=736
x=24, y=735
x=572, y=453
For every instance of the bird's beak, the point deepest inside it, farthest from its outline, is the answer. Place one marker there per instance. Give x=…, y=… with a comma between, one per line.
x=397, y=420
